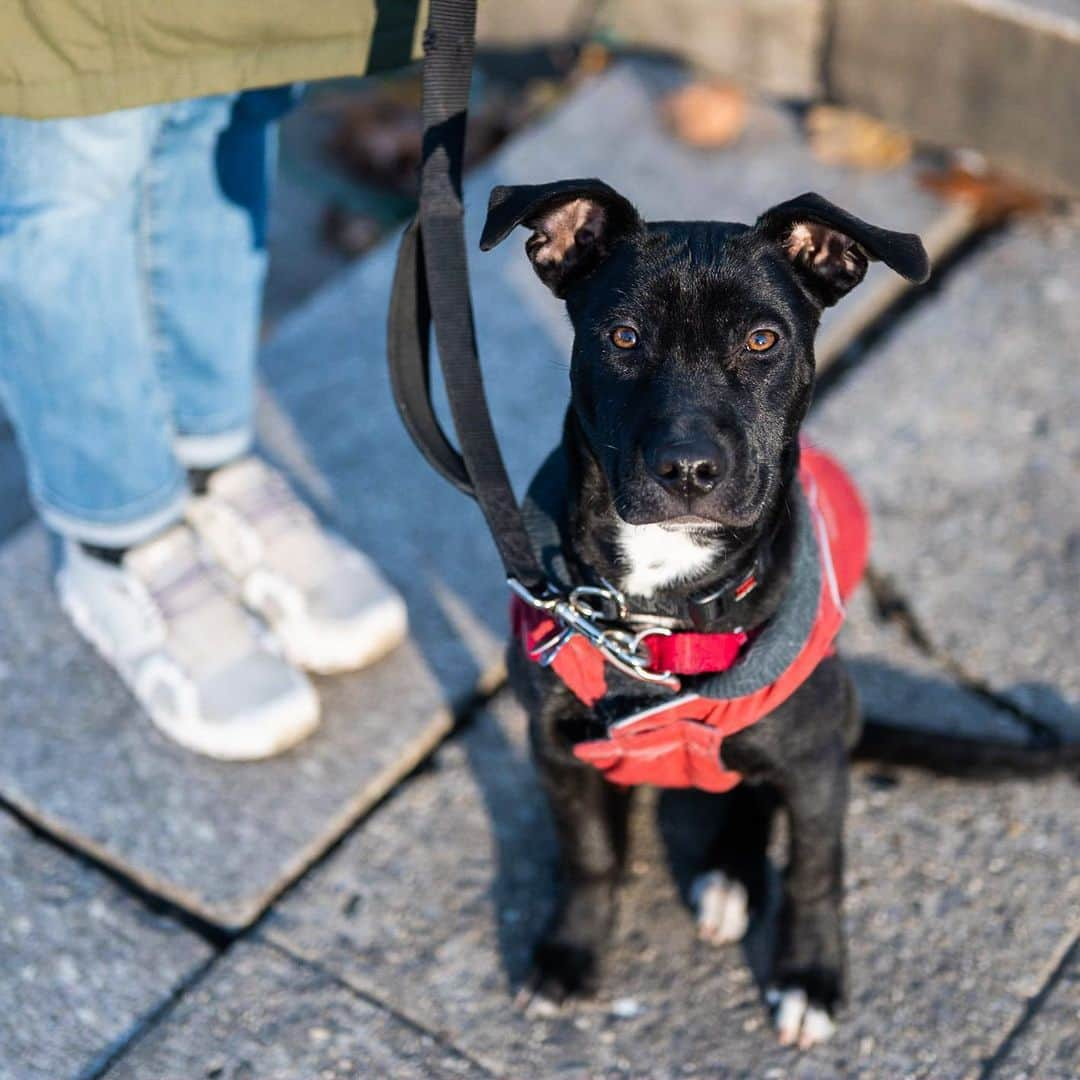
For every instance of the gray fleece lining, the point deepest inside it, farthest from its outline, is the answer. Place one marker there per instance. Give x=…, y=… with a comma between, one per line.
x=776, y=646
x=782, y=638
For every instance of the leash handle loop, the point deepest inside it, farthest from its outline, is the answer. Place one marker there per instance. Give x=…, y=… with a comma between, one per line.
x=431, y=288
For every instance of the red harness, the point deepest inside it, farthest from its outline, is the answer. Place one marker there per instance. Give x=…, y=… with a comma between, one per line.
x=677, y=743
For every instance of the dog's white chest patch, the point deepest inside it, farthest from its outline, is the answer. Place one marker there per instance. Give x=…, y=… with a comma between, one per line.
x=655, y=557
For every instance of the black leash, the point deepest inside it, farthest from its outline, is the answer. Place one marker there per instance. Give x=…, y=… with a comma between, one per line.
x=431, y=286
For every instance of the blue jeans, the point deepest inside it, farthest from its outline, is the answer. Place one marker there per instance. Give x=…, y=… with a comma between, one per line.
x=132, y=260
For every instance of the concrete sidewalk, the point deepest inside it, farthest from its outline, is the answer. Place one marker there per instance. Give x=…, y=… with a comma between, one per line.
x=169, y=918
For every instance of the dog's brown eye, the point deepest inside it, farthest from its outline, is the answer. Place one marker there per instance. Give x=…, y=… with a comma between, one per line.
x=762, y=340
x=624, y=337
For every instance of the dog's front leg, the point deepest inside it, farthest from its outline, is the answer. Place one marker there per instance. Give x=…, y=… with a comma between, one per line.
x=801, y=751
x=808, y=974
x=591, y=823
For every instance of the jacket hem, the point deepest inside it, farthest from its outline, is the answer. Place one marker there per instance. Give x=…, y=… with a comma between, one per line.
x=91, y=93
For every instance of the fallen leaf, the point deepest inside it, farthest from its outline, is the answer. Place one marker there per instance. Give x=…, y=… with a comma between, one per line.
x=848, y=138
x=706, y=115
x=993, y=196
x=592, y=59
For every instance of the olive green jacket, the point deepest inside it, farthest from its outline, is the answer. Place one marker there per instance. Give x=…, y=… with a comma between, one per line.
x=77, y=57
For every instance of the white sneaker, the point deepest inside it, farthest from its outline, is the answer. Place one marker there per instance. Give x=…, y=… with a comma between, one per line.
x=188, y=650
x=328, y=606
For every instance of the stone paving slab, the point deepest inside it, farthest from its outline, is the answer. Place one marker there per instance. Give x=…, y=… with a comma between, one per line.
x=959, y=892
x=333, y=420
x=1048, y=1046
x=219, y=839
x=962, y=433
x=82, y=963
x=259, y=1015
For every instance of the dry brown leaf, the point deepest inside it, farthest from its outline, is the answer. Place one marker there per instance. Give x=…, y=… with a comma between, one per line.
x=993, y=196
x=593, y=58
x=706, y=115
x=845, y=137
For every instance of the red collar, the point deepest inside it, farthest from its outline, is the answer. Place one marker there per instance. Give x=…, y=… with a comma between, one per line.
x=694, y=654
x=681, y=653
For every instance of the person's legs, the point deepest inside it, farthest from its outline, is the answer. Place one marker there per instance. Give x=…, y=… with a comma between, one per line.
x=77, y=369
x=107, y=352
x=207, y=179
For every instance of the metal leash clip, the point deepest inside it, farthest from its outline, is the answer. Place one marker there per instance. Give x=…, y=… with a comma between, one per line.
x=582, y=612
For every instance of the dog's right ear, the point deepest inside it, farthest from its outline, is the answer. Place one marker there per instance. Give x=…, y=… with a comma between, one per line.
x=575, y=225
x=830, y=248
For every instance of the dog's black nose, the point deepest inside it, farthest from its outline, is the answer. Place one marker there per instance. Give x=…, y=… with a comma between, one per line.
x=691, y=467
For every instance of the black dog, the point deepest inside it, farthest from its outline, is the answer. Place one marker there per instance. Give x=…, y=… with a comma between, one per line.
x=692, y=370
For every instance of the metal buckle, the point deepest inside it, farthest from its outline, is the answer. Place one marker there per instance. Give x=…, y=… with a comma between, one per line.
x=578, y=614
x=616, y=609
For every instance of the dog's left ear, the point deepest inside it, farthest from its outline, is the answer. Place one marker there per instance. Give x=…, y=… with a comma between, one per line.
x=575, y=225
x=831, y=248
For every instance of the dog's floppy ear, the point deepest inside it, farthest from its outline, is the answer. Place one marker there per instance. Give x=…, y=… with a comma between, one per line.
x=575, y=224
x=831, y=248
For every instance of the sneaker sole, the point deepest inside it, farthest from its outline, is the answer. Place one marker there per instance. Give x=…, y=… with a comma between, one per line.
x=374, y=635
x=208, y=743
x=252, y=744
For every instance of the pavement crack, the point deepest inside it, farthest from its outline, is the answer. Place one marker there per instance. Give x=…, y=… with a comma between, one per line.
x=891, y=606
x=1064, y=956
x=376, y=1002
x=112, y=1054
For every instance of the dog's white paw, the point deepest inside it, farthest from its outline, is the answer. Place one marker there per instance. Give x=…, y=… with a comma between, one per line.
x=537, y=1006
x=797, y=1021
x=723, y=907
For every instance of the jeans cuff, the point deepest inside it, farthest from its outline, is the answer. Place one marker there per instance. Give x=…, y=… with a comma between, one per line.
x=117, y=534
x=210, y=451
